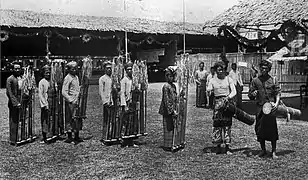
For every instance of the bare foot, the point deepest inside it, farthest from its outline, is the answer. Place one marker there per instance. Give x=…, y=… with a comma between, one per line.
x=274, y=156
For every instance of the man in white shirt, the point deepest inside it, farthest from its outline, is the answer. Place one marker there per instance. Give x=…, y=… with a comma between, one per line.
x=43, y=91
x=105, y=92
x=70, y=92
x=210, y=95
x=237, y=79
x=127, y=106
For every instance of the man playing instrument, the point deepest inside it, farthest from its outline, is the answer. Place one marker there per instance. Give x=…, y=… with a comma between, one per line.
x=127, y=105
x=237, y=79
x=105, y=89
x=70, y=92
x=265, y=88
x=168, y=107
x=224, y=90
x=14, y=103
x=200, y=76
x=44, y=89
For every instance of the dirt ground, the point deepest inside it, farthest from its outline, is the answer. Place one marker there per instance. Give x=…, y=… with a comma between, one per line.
x=91, y=160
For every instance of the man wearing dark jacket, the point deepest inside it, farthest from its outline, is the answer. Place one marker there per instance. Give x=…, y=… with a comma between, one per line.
x=14, y=104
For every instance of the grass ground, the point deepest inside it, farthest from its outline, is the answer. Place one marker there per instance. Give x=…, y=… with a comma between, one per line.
x=91, y=160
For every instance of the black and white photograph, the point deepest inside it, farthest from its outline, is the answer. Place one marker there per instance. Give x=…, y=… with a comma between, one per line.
x=153, y=89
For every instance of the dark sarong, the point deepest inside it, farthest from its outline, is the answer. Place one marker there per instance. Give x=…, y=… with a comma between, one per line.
x=168, y=134
x=72, y=124
x=13, y=123
x=44, y=119
x=201, y=99
x=266, y=127
x=211, y=100
x=238, y=96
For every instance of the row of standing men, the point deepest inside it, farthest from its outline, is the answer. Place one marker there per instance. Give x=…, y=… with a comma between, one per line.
x=71, y=94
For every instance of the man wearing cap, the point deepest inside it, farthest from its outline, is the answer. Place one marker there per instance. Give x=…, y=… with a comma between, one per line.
x=265, y=88
x=126, y=103
x=43, y=91
x=168, y=107
x=14, y=104
x=105, y=88
x=235, y=75
x=70, y=92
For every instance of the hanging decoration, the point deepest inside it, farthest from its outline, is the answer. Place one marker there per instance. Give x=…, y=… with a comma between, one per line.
x=149, y=40
x=86, y=38
x=287, y=30
x=48, y=33
x=4, y=36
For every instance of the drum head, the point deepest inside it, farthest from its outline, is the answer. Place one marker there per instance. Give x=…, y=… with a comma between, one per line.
x=267, y=108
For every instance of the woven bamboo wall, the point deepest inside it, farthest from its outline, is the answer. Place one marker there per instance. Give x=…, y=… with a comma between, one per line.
x=290, y=75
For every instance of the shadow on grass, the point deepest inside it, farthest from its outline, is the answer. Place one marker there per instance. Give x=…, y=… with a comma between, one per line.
x=213, y=149
x=250, y=152
x=284, y=152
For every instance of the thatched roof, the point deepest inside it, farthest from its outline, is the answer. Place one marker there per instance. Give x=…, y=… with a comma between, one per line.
x=30, y=19
x=260, y=12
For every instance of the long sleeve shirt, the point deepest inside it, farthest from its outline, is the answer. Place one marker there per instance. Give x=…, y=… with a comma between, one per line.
x=267, y=87
x=222, y=87
x=43, y=92
x=126, y=91
x=12, y=91
x=71, y=88
x=105, y=87
x=236, y=77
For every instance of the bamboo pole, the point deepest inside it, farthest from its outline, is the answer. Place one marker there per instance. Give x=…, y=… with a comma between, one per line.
x=184, y=38
x=126, y=41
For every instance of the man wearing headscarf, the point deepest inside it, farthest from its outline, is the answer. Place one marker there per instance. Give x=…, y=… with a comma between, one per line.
x=127, y=105
x=70, y=92
x=265, y=88
x=14, y=104
x=168, y=107
x=43, y=91
x=105, y=89
x=224, y=90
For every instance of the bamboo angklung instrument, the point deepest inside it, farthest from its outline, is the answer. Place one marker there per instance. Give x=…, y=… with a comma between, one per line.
x=86, y=72
x=112, y=133
x=143, y=79
x=282, y=111
x=182, y=78
x=26, y=114
x=56, y=115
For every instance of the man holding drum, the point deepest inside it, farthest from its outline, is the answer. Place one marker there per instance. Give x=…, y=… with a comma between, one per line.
x=224, y=90
x=265, y=88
